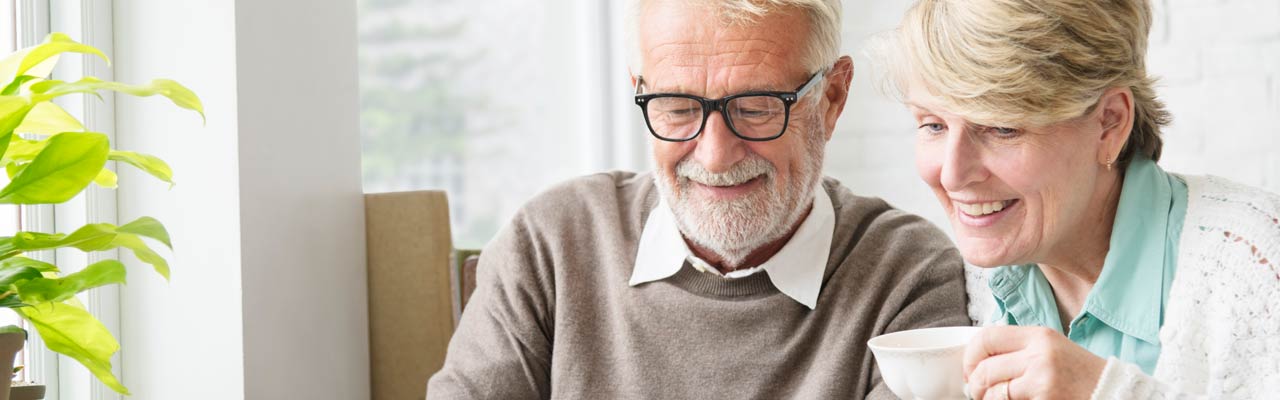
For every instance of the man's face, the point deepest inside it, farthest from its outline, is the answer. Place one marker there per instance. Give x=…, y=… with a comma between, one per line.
x=730, y=195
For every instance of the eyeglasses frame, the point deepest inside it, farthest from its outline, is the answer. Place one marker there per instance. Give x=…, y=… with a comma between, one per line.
x=721, y=105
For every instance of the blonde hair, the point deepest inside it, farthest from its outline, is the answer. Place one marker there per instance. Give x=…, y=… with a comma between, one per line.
x=1028, y=62
x=824, y=23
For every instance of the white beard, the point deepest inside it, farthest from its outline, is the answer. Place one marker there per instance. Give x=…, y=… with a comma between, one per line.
x=732, y=229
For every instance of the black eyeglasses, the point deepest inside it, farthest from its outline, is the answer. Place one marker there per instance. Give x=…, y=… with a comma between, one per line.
x=754, y=116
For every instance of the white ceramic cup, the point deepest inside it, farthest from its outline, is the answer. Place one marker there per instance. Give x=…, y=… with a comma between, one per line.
x=925, y=364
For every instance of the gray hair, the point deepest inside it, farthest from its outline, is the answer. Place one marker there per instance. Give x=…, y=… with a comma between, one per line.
x=823, y=47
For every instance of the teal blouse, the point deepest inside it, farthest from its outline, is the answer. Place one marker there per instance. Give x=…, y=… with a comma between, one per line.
x=1123, y=312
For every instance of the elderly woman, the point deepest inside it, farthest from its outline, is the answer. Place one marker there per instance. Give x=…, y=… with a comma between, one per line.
x=1039, y=132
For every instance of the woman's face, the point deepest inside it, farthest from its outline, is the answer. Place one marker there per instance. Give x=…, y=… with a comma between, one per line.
x=1013, y=195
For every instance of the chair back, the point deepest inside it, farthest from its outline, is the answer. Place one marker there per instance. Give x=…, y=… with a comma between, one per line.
x=411, y=290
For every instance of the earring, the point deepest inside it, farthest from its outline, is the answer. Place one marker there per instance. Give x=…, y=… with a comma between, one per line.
x=1110, y=161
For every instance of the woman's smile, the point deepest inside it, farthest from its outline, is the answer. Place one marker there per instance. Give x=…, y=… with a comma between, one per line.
x=983, y=213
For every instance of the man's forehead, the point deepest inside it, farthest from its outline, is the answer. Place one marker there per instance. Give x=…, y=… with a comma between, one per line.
x=705, y=59
x=678, y=49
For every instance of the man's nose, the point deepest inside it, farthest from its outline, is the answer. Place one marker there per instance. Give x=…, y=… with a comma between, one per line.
x=718, y=149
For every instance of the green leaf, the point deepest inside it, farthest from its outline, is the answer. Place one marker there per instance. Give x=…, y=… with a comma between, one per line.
x=47, y=118
x=91, y=237
x=16, y=85
x=99, y=237
x=8, y=248
x=66, y=166
x=28, y=262
x=56, y=43
x=12, y=169
x=73, y=332
x=22, y=150
x=144, y=253
x=49, y=89
x=39, y=290
x=17, y=273
x=148, y=163
x=106, y=178
x=13, y=109
x=147, y=227
x=9, y=66
x=180, y=95
x=11, y=300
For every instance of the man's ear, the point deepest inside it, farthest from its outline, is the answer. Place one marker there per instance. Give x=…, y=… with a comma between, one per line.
x=1115, y=116
x=837, y=92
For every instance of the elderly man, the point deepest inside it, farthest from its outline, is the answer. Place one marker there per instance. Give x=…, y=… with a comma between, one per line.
x=734, y=270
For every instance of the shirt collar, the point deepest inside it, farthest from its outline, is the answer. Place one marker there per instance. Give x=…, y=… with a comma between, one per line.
x=1023, y=293
x=796, y=270
x=1128, y=295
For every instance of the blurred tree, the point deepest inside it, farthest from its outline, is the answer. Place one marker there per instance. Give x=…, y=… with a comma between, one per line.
x=412, y=114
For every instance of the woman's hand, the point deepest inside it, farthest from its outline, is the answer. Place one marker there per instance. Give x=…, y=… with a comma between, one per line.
x=1029, y=363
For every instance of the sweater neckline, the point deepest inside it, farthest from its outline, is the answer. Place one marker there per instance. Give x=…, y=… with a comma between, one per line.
x=706, y=284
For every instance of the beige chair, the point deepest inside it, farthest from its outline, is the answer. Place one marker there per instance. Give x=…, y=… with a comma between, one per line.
x=414, y=300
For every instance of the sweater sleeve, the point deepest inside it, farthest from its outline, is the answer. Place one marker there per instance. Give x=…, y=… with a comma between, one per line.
x=1221, y=332
x=930, y=288
x=1121, y=380
x=938, y=299
x=930, y=292
x=502, y=346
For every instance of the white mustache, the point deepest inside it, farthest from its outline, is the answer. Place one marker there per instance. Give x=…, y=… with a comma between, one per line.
x=743, y=171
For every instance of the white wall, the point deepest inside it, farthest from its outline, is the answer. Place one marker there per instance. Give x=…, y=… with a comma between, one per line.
x=1220, y=64
x=268, y=295
x=302, y=208
x=1220, y=68
x=177, y=336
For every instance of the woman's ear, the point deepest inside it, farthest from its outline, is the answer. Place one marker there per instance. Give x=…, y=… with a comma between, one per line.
x=1115, y=115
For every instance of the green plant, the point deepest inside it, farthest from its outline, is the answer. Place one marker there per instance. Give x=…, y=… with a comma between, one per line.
x=50, y=157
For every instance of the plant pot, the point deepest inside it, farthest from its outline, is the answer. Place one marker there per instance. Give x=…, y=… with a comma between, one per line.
x=26, y=391
x=10, y=344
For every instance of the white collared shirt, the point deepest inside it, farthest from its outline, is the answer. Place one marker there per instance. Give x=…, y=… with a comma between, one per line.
x=796, y=270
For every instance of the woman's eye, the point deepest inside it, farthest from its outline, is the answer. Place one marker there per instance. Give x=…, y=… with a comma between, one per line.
x=1005, y=132
x=933, y=128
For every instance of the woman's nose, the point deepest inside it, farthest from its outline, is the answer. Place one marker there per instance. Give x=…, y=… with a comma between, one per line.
x=962, y=161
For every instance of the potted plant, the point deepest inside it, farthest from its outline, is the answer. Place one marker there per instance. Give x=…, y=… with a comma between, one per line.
x=50, y=157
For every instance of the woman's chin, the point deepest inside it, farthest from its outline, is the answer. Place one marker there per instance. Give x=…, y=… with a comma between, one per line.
x=978, y=253
x=984, y=263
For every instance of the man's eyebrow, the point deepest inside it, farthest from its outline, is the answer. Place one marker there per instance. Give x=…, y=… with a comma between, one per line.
x=651, y=87
x=657, y=88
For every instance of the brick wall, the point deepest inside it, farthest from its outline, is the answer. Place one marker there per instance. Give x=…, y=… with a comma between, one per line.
x=1219, y=64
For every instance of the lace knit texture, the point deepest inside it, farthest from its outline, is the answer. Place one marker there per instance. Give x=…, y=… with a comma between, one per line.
x=1221, y=336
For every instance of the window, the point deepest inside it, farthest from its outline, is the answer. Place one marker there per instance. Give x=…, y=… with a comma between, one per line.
x=27, y=23
x=10, y=215
x=492, y=101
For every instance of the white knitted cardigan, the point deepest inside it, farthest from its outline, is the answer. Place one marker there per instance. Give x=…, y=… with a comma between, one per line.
x=1221, y=333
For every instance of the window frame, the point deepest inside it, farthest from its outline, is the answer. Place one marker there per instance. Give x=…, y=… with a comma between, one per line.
x=31, y=24
x=90, y=22
x=602, y=50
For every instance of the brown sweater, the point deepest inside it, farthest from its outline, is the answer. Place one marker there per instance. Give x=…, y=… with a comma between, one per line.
x=553, y=316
